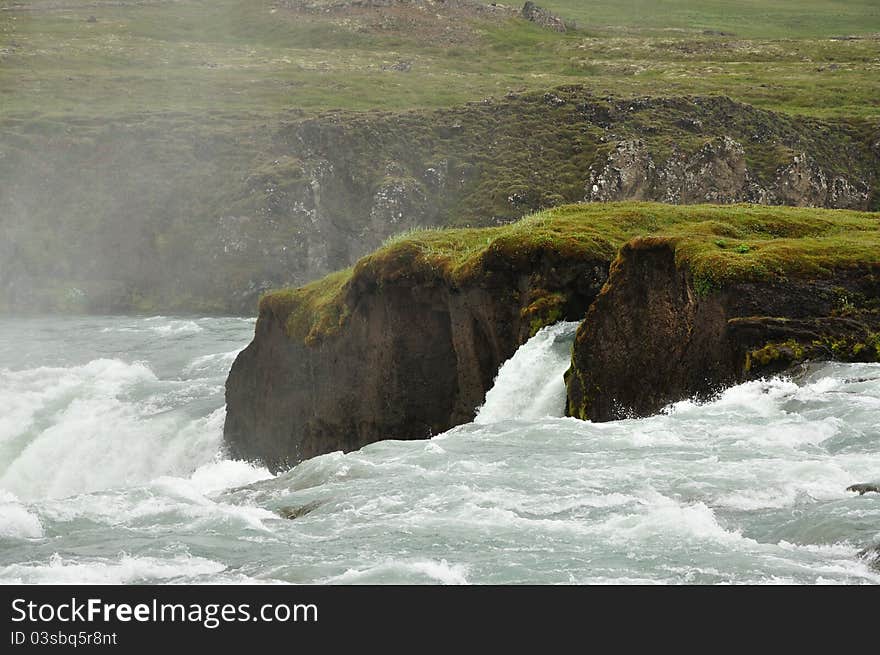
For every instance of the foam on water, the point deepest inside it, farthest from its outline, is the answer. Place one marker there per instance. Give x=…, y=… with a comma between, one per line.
x=124, y=569
x=84, y=421
x=16, y=522
x=215, y=363
x=113, y=422
x=530, y=384
x=159, y=325
x=409, y=572
x=112, y=471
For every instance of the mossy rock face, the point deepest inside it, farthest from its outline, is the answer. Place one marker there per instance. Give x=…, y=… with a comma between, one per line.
x=853, y=343
x=545, y=310
x=406, y=343
x=772, y=245
x=652, y=338
x=774, y=355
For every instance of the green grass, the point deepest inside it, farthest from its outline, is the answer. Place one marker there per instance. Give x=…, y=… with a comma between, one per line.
x=249, y=57
x=777, y=19
x=719, y=244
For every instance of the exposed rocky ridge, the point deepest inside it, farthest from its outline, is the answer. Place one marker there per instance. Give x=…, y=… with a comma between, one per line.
x=161, y=215
x=718, y=173
x=416, y=357
x=651, y=338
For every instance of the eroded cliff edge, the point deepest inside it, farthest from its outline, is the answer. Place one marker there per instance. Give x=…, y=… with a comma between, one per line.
x=657, y=335
x=400, y=348
x=406, y=344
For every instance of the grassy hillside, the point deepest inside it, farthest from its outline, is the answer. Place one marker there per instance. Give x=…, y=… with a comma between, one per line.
x=779, y=19
x=169, y=213
x=259, y=57
x=719, y=243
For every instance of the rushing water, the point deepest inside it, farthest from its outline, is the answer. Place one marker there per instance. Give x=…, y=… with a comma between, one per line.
x=111, y=470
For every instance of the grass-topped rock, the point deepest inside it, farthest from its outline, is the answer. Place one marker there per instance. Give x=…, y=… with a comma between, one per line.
x=406, y=343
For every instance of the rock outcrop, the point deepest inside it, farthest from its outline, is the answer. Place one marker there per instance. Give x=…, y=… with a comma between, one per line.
x=415, y=357
x=718, y=173
x=657, y=334
x=864, y=488
x=406, y=344
x=540, y=16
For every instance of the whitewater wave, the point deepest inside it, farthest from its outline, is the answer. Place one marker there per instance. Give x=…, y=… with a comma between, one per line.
x=107, y=423
x=112, y=471
x=530, y=384
x=125, y=569
x=166, y=329
x=213, y=364
x=16, y=521
x=409, y=572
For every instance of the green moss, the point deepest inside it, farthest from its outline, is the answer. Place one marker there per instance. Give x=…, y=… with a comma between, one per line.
x=788, y=352
x=845, y=349
x=704, y=282
x=545, y=310
x=311, y=312
x=848, y=349
x=831, y=239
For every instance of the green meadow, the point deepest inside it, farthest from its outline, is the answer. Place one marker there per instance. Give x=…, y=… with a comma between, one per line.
x=259, y=58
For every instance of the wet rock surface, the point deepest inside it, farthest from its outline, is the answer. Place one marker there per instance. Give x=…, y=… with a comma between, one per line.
x=415, y=358
x=864, y=488
x=653, y=337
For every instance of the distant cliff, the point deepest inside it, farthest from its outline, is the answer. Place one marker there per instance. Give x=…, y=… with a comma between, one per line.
x=676, y=302
x=167, y=213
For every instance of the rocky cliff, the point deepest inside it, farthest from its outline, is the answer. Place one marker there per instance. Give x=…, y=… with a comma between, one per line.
x=407, y=343
x=655, y=336
x=409, y=352
x=160, y=213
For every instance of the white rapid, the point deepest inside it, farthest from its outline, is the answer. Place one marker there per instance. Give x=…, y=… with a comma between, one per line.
x=112, y=470
x=530, y=384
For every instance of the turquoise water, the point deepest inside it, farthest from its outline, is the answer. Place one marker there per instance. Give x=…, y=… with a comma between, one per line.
x=112, y=471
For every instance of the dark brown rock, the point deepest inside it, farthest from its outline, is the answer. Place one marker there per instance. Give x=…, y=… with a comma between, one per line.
x=414, y=358
x=864, y=488
x=651, y=338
